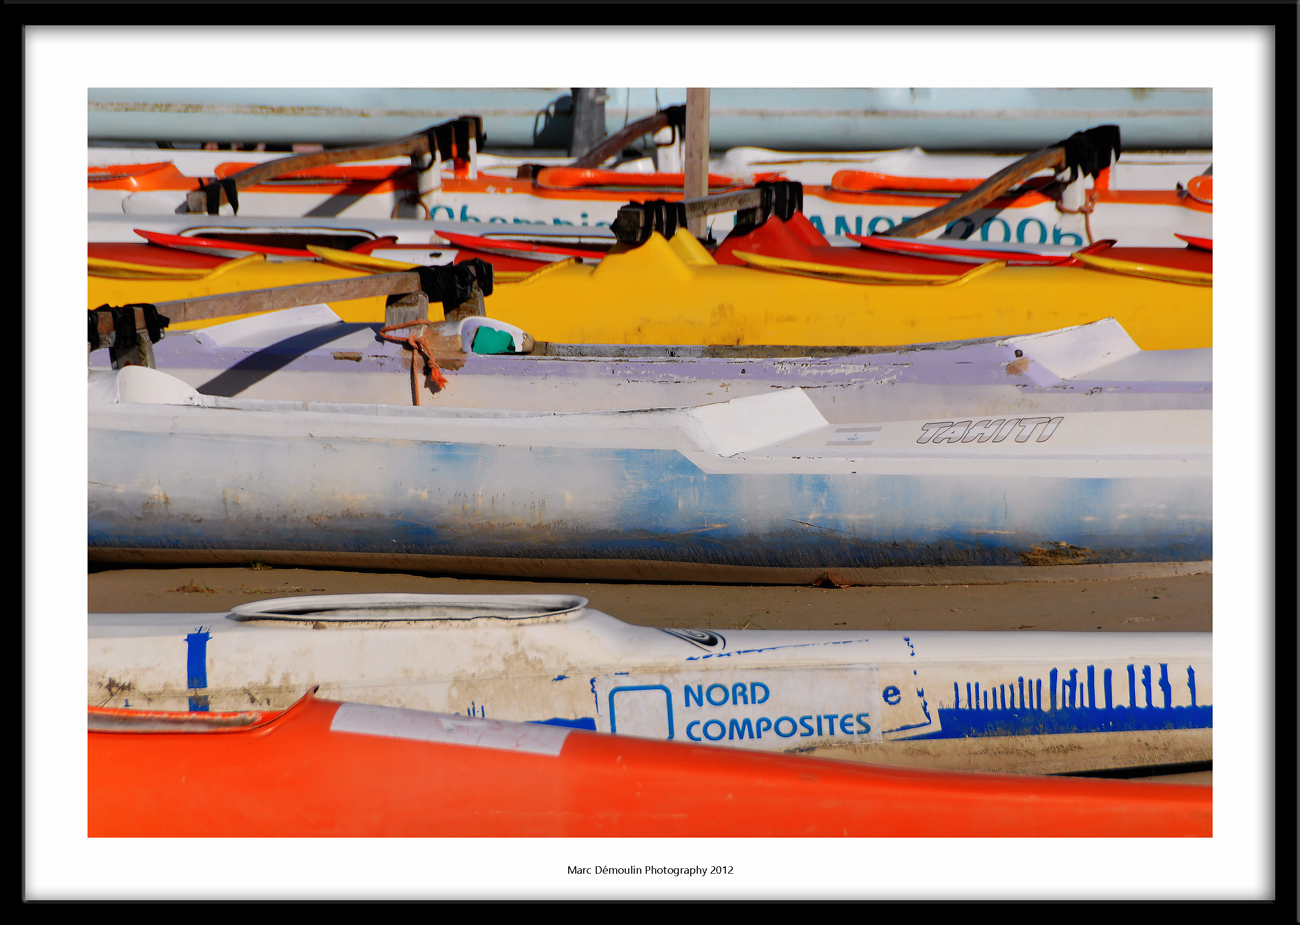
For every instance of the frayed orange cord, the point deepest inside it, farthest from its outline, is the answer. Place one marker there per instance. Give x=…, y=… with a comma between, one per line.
x=422, y=346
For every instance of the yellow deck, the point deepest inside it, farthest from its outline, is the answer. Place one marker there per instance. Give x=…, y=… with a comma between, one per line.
x=673, y=292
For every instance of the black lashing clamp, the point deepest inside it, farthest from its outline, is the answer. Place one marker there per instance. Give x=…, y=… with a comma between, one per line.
x=782, y=198
x=118, y=327
x=451, y=139
x=126, y=325
x=637, y=220
x=1090, y=152
x=453, y=285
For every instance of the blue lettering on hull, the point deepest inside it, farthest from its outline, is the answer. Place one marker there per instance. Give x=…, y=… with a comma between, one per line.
x=995, y=229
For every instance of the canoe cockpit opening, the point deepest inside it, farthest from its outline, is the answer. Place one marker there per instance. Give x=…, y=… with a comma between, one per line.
x=293, y=238
x=323, y=611
x=126, y=720
x=113, y=720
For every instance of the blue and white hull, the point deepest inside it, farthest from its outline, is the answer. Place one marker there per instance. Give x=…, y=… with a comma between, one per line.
x=761, y=486
x=1028, y=701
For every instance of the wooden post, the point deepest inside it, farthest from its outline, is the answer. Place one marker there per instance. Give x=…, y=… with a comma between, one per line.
x=139, y=355
x=697, y=153
x=588, y=119
x=403, y=309
x=471, y=307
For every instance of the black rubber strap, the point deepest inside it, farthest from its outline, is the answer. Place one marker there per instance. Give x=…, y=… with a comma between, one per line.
x=434, y=147
x=232, y=193
x=153, y=322
x=430, y=282
x=482, y=271
x=455, y=134
x=93, y=328
x=123, y=328
x=662, y=216
x=657, y=216
x=213, y=192
x=782, y=198
x=789, y=199
x=460, y=132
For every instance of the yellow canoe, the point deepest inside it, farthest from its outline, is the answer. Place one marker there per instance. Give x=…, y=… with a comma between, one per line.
x=113, y=282
x=673, y=292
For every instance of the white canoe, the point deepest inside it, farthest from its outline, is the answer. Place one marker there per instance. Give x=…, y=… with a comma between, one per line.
x=1046, y=702
x=309, y=354
x=752, y=489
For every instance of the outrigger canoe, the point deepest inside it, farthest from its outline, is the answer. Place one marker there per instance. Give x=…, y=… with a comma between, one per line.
x=756, y=488
x=310, y=354
x=1039, y=210
x=674, y=292
x=326, y=769
x=855, y=202
x=1008, y=701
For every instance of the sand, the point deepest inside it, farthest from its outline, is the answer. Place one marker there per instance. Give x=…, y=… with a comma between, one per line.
x=1118, y=605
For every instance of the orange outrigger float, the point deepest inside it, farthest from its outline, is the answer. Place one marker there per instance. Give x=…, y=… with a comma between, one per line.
x=327, y=769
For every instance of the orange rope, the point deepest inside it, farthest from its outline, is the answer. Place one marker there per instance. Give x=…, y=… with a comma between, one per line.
x=417, y=344
x=1089, y=203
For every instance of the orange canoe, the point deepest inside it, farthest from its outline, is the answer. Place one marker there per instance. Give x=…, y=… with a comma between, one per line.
x=323, y=768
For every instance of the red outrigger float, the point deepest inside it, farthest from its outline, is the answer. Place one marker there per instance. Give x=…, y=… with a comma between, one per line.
x=327, y=769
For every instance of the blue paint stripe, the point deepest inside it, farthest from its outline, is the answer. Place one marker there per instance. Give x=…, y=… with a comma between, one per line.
x=584, y=722
x=957, y=724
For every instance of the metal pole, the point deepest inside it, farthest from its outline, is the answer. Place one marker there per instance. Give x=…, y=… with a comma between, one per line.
x=588, y=119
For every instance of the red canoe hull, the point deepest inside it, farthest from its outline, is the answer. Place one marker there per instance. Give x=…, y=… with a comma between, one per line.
x=297, y=774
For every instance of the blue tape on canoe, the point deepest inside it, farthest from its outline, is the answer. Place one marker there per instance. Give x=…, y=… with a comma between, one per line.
x=196, y=669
